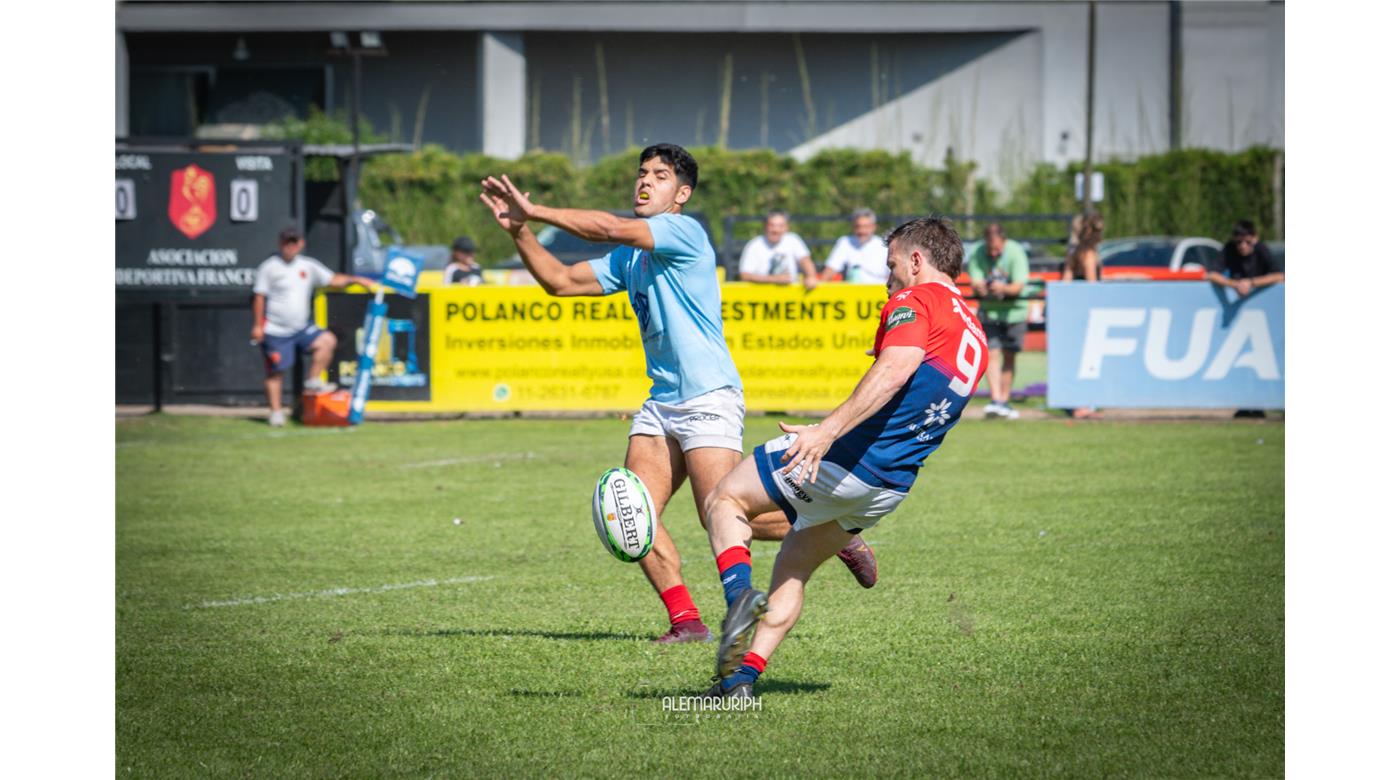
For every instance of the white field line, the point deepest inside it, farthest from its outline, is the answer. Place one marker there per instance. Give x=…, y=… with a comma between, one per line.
x=488, y=458
x=317, y=594
x=274, y=434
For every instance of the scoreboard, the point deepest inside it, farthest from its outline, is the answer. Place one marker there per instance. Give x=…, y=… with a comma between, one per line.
x=196, y=217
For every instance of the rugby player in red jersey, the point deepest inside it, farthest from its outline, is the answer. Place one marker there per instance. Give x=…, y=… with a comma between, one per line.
x=841, y=475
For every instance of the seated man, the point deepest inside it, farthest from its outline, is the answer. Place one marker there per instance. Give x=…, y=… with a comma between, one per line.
x=463, y=268
x=858, y=258
x=777, y=256
x=842, y=475
x=282, y=316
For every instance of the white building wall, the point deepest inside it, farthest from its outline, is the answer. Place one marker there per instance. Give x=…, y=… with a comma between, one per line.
x=986, y=111
x=1025, y=102
x=1133, y=81
x=1232, y=76
x=1020, y=103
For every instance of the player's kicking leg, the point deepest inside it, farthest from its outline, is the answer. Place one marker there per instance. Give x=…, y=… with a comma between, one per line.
x=831, y=508
x=659, y=463
x=802, y=552
x=738, y=497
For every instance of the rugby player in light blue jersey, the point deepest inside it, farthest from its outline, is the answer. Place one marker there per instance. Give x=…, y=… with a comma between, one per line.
x=692, y=425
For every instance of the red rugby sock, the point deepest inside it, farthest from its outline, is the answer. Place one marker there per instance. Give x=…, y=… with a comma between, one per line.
x=679, y=605
x=755, y=660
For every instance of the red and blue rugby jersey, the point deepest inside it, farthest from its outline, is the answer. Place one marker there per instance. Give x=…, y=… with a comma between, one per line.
x=888, y=449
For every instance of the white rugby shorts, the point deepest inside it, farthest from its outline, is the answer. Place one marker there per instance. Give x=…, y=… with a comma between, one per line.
x=713, y=419
x=836, y=495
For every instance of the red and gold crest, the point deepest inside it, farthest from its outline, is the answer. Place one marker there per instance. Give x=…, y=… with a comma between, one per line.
x=192, y=206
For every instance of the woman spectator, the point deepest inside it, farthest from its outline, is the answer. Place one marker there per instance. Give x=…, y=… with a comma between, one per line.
x=1082, y=263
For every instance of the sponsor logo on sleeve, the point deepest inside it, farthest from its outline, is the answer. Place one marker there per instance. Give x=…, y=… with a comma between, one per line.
x=901, y=316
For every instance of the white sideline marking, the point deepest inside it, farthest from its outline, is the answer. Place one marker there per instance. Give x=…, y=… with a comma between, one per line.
x=316, y=594
x=272, y=434
x=474, y=459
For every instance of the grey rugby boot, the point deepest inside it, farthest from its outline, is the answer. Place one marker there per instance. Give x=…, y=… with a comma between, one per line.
x=740, y=691
x=737, y=635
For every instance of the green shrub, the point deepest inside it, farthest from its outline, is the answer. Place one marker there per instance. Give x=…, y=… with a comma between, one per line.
x=431, y=194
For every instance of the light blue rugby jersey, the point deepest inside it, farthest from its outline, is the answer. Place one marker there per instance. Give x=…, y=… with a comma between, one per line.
x=675, y=295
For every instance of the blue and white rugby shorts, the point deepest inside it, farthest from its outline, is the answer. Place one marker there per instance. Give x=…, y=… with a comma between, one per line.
x=836, y=495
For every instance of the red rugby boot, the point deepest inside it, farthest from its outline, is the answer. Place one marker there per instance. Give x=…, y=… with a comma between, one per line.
x=688, y=631
x=860, y=559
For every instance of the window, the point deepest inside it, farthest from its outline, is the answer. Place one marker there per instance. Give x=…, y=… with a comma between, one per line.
x=1118, y=254
x=1200, y=255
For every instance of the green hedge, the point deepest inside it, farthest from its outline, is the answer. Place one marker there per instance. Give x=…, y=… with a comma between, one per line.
x=431, y=195
x=1194, y=192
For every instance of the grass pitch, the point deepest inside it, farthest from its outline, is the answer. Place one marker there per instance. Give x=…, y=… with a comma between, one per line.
x=1055, y=599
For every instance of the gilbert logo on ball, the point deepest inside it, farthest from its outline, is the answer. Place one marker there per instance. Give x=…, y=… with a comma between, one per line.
x=623, y=515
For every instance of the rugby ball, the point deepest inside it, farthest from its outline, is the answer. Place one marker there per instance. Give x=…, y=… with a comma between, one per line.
x=623, y=515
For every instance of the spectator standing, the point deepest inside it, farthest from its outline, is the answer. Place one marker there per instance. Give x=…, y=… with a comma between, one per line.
x=1082, y=261
x=1246, y=260
x=777, y=256
x=999, y=270
x=463, y=268
x=859, y=257
x=282, y=316
x=1249, y=265
x=1082, y=264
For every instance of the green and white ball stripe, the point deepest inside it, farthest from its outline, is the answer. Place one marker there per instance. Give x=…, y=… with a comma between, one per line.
x=623, y=515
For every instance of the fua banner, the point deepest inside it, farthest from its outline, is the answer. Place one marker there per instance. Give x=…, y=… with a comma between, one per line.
x=1164, y=344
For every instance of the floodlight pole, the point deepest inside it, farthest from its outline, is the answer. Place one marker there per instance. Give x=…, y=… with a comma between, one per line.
x=1088, y=204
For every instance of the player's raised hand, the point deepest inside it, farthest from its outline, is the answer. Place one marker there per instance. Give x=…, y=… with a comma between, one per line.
x=806, y=453
x=506, y=190
x=500, y=211
x=509, y=217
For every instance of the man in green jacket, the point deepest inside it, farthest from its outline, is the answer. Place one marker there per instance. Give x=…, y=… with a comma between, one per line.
x=1000, y=270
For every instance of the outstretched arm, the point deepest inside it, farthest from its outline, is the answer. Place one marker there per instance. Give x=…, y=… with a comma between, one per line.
x=345, y=280
x=597, y=226
x=890, y=372
x=555, y=277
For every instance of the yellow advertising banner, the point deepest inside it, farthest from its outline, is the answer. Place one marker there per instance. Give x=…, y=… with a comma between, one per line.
x=502, y=349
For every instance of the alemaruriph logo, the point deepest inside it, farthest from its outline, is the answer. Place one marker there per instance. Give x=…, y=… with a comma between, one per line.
x=192, y=200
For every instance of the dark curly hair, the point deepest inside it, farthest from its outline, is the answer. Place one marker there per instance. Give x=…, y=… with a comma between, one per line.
x=687, y=170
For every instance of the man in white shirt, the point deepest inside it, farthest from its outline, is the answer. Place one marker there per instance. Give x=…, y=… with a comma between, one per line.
x=282, y=316
x=777, y=256
x=860, y=257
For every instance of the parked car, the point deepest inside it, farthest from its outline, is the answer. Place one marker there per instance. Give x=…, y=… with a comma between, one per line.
x=1158, y=257
x=373, y=237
